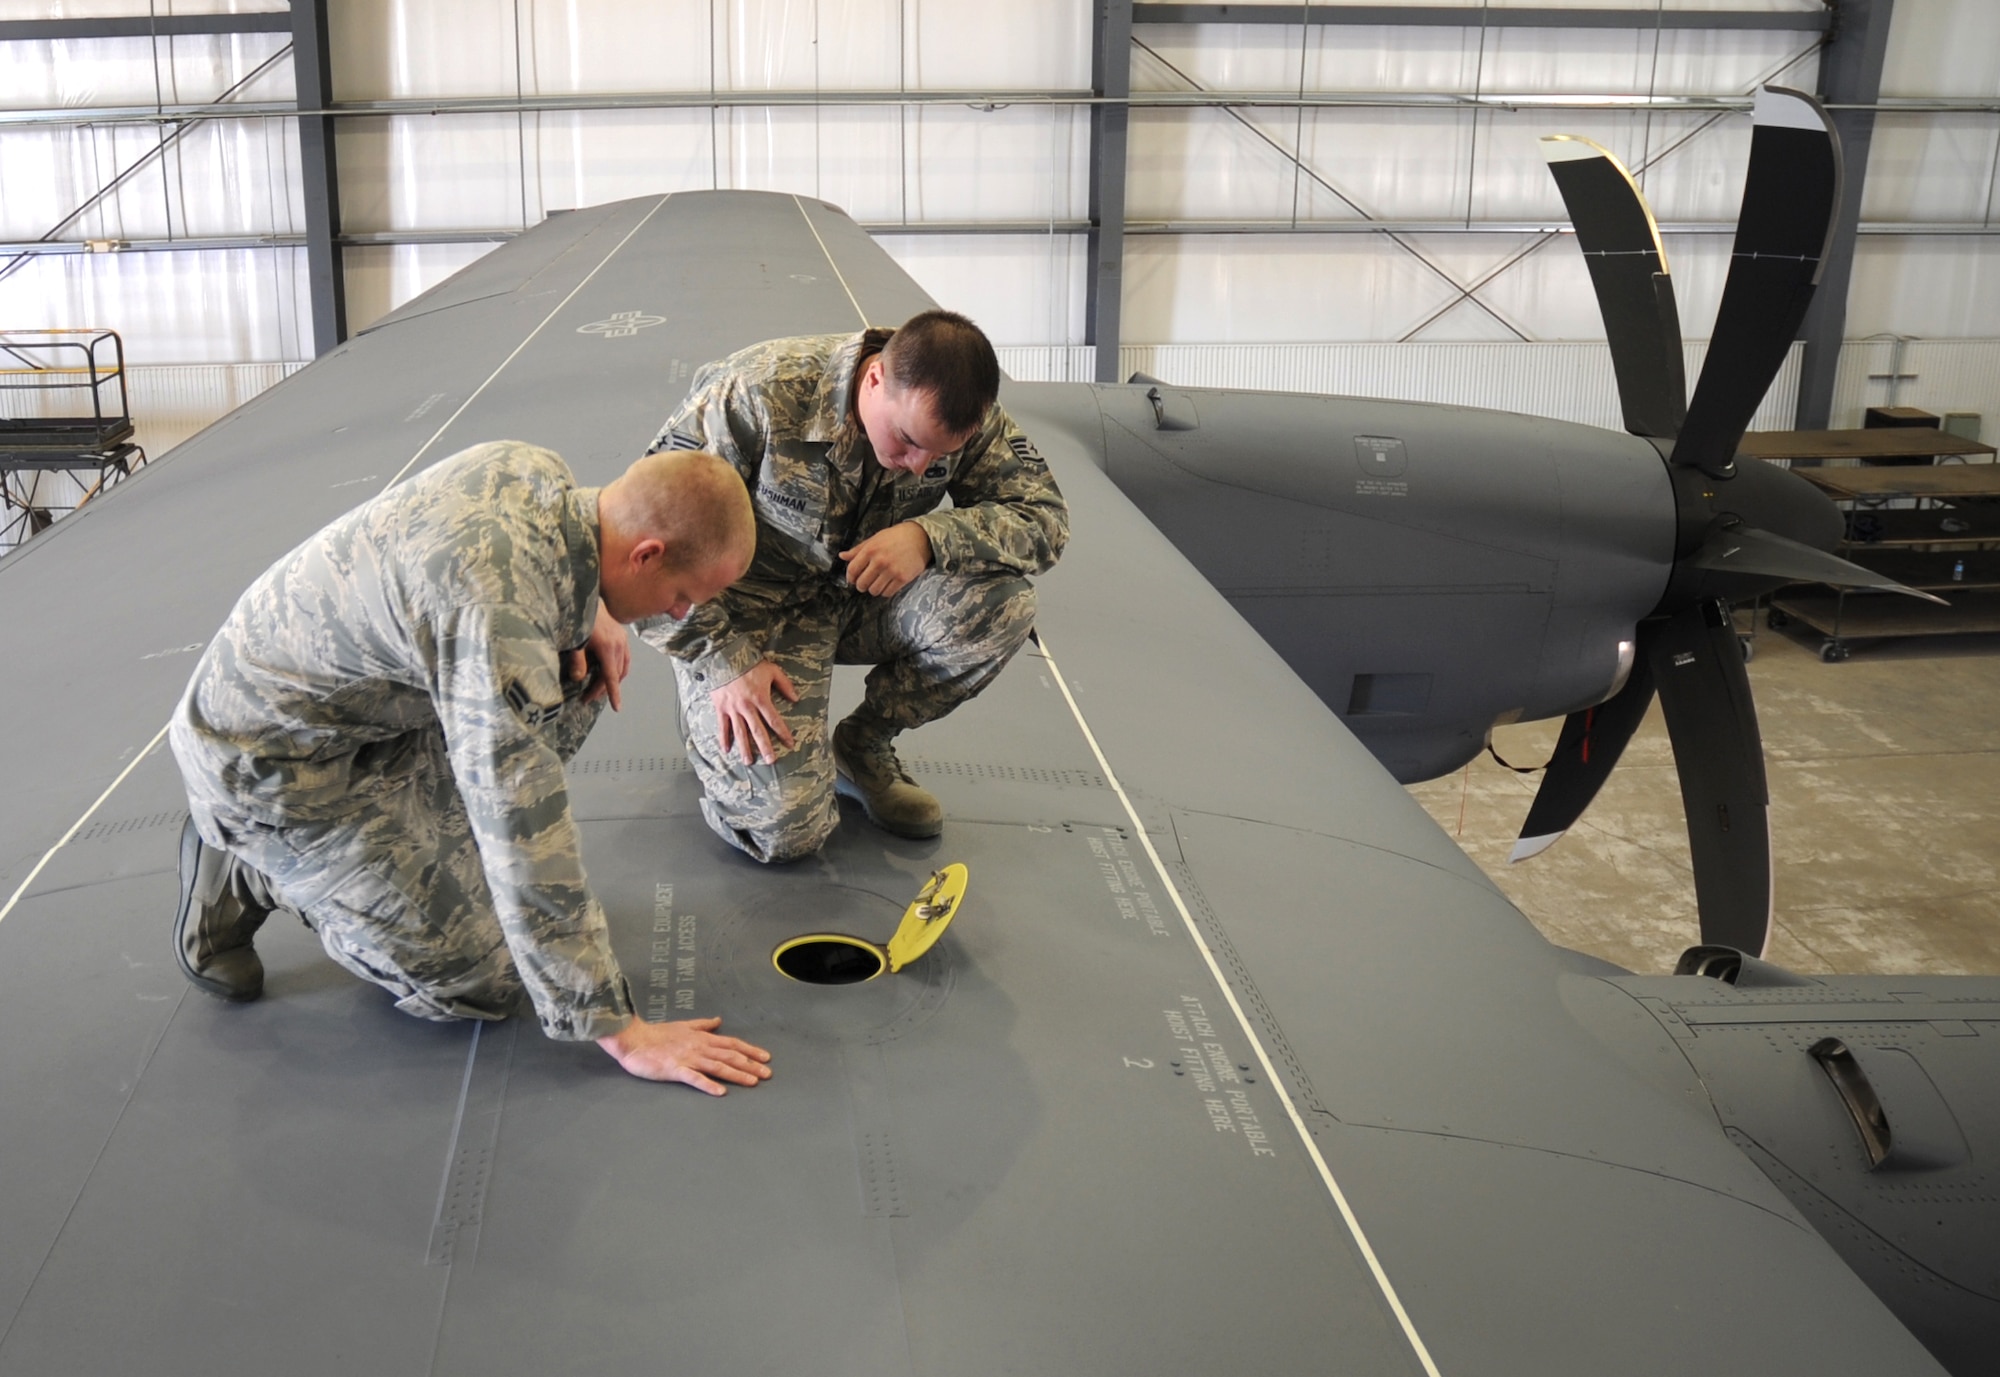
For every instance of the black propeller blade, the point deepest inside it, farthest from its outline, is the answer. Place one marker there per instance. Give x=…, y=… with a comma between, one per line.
x=1740, y=549
x=1719, y=755
x=1686, y=649
x=1592, y=740
x=1628, y=269
x=1789, y=199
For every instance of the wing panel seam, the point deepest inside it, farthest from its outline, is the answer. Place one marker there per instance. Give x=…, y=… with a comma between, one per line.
x=839, y=276
x=1353, y=1222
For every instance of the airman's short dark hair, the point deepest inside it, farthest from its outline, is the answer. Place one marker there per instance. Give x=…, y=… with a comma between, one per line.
x=944, y=354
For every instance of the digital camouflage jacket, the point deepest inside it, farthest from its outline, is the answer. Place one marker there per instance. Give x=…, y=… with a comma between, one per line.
x=780, y=412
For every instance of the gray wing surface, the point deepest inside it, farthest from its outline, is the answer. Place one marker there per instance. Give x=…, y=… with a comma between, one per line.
x=1232, y=1061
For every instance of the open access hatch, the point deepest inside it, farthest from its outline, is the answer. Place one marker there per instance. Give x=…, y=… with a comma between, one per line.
x=836, y=958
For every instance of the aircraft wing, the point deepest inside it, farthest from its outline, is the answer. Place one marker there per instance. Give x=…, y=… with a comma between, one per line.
x=1230, y=1062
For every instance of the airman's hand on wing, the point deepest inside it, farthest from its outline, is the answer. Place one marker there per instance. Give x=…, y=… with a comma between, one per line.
x=690, y=1051
x=747, y=717
x=884, y=564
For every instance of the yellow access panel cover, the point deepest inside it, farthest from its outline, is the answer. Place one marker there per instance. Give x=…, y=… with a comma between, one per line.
x=925, y=920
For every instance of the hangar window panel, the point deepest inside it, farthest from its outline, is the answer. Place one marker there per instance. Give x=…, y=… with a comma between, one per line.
x=1943, y=48
x=222, y=177
x=423, y=173
x=1931, y=167
x=862, y=44
x=1015, y=164
x=1939, y=286
x=382, y=277
x=1637, y=61
x=215, y=306
x=766, y=45
x=383, y=49
x=1509, y=269
x=1545, y=287
x=1265, y=57
x=1024, y=45
x=585, y=158
x=1202, y=165
x=1022, y=289
x=576, y=47
x=849, y=157
x=1451, y=61
x=230, y=178
x=101, y=9
x=193, y=68
x=853, y=158
x=1254, y=287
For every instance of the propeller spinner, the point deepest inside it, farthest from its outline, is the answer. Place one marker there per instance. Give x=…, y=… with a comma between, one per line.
x=1742, y=528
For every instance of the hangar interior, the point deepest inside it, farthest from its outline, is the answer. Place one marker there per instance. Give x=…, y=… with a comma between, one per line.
x=1355, y=203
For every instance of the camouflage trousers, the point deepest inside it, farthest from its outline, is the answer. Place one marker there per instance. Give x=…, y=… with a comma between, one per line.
x=935, y=644
x=396, y=893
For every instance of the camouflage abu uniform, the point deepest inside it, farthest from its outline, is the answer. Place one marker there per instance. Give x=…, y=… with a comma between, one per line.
x=380, y=728
x=782, y=413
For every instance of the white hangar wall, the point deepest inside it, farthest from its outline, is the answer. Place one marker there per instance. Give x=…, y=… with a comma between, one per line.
x=983, y=205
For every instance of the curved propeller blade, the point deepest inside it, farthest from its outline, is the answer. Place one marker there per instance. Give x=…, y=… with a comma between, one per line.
x=1628, y=268
x=1790, y=197
x=1747, y=550
x=1719, y=755
x=1590, y=744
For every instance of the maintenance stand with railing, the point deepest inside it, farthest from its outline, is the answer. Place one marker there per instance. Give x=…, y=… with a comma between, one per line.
x=65, y=426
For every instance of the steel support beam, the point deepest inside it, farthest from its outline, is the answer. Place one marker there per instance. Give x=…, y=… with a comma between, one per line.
x=143, y=26
x=975, y=229
x=1850, y=73
x=1537, y=104
x=319, y=174
x=1110, y=126
x=1481, y=17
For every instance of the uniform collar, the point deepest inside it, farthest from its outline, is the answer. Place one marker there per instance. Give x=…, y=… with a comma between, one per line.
x=827, y=420
x=581, y=539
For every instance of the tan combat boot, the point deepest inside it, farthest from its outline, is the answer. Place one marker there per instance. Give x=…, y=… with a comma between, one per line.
x=867, y=771
x=222, y=904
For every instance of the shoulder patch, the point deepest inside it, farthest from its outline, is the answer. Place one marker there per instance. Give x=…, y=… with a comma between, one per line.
x=529, y=711
x=1025, y=451
x=679, y=439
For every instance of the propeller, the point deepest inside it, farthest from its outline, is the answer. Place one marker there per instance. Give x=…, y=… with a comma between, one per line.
x=1744, y=527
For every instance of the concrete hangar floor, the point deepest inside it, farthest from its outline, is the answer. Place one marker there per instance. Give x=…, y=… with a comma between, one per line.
x=1885, y=818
